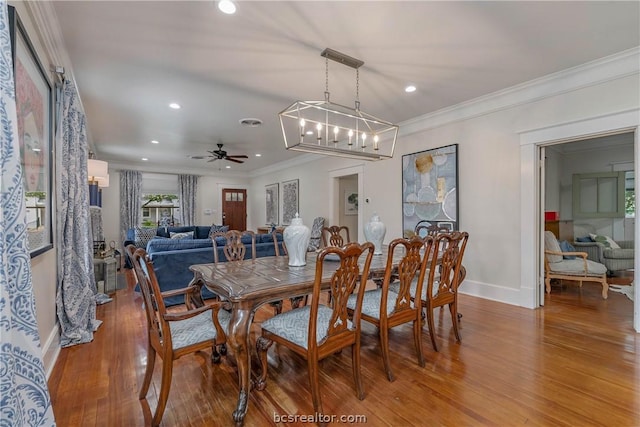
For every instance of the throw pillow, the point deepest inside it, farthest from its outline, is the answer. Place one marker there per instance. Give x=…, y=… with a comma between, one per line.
x=218, y=228
x=585, y=239
x=567, y=247
x=143, y=235
x=186, y=235
x=605, y=240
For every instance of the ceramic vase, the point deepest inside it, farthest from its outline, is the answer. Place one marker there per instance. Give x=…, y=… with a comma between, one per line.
x=374, y=232
x=296, y=237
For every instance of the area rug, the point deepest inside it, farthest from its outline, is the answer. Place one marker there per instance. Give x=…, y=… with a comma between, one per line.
x=627, y=290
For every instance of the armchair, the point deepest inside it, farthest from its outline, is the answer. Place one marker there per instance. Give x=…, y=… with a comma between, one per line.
x=579, y=269
x=614, y=259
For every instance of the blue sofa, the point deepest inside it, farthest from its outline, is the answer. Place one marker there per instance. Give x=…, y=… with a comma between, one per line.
x=172, y=258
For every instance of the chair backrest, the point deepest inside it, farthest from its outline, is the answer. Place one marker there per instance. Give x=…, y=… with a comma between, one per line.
x=335, y=235
x=151, y=295
x=427, y=229
x=551, y=244
x=277, y=244
x=347, y=277
x=417, y=254
x=446, y=264
x=234, y=249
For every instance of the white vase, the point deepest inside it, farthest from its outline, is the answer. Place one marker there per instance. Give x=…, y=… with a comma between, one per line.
x=374, y=232
x=296, y=237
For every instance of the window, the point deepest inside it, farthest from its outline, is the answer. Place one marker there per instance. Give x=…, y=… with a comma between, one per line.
x=599, y=195
x=629, y=194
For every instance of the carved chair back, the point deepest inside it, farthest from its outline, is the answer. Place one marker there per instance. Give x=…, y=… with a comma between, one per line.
x=445, y=274
x=335, y=236
x=234, y=249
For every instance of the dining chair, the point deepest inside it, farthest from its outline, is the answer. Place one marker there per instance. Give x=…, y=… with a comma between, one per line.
x=317, y=330
x=174, y=334
x=235, y=244
x=281, y=250
x=386, y=308
x=335, y=236
x=428, y=229
x=445, y=275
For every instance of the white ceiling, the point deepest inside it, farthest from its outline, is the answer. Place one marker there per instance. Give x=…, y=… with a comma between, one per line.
x=131, y=59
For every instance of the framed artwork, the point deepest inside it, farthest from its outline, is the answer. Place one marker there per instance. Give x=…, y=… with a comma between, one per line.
x=289, y=201
x=272, y=202
x=430, y=189
x=34, y=105
x=350, y=203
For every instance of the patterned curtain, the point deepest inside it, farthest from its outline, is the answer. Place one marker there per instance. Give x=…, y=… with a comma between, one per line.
x=187, y=186
x=24, y=396
x=76, y=296
x=130, y=201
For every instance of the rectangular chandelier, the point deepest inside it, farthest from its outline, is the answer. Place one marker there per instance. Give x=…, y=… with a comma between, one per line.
x=323, y=127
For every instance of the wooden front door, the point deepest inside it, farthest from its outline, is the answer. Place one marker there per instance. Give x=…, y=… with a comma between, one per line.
x=234, y=208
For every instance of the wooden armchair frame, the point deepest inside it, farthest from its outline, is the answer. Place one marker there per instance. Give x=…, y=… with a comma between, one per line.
x=585, y=276
x=167, y=337
x=340, y=333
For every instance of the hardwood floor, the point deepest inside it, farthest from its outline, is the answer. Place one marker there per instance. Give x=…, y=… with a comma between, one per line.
x=575, y=362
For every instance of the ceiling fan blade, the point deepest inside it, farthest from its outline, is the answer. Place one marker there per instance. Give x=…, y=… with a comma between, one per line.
x=241, y=156
x=234, y=160
x=212, y=160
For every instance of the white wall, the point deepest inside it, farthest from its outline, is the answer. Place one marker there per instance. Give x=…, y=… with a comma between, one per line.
x=587, y=162
x=489, y=177
x=348, y=185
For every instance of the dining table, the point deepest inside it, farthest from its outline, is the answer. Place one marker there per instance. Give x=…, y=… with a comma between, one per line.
x=248, y=284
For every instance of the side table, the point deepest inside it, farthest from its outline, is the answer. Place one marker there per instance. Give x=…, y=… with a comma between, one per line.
x=105, y=270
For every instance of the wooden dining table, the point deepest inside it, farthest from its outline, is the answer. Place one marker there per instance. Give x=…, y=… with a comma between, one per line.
x=248, y=284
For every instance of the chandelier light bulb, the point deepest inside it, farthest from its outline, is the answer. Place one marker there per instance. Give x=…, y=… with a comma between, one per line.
x=364, y=139
x=302, y=123
x=350, y=136
x=335, y=134
x=319, y=128
x=375, y=142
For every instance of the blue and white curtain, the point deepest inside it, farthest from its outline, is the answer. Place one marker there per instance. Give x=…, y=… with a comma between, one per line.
x=77, y=294
x=187, y=186
x=130, y=201
x=24, y=396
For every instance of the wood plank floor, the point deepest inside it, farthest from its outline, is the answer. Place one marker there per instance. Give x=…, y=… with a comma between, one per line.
x=575, y=362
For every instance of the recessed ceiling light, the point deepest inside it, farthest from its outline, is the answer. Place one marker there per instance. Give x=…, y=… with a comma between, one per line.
x=153, y=141
x=258, y=155
x=175, y=106
x=227, y=6
x=309, y=132
x=144, y=159
x=228, y=167
x=36, y=149
x=250, y=122
x=410, y=88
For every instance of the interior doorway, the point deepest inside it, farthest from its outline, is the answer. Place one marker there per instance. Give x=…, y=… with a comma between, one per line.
x=345, y=207
x=234, y=208
x=531, y=208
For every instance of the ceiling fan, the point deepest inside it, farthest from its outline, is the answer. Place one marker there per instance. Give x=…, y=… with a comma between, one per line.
x=220, y=154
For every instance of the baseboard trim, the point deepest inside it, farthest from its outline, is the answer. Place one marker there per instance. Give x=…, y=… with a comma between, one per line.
x=491, y=292
x=51, y=350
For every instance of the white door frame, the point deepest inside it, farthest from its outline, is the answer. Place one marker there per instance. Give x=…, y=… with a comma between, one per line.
x=531, y=248
x=334, y=190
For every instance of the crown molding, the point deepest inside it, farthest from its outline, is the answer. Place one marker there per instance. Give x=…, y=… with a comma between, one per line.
x=613, y=67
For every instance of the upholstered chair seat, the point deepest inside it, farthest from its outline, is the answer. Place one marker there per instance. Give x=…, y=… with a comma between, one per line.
x=293, y=325
x=371, y=302
x=196, y=329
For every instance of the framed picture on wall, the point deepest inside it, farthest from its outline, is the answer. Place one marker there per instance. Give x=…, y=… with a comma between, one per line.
x=34, y=107
x=430, y=189
x=350, y=203
x=289, y=201
x=272, y=202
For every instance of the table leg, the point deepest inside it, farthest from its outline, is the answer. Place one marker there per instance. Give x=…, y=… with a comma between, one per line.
x=240, y=323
